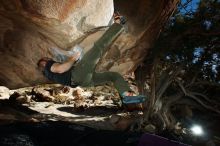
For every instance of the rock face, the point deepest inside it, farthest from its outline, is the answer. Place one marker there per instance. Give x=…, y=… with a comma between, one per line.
x=28, y=30
x=4, y=92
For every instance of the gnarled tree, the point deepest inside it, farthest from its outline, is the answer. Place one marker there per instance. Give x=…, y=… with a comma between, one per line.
x=186, y=71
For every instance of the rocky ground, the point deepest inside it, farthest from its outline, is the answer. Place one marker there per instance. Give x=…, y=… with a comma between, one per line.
x=52, y=114
x=97, y=107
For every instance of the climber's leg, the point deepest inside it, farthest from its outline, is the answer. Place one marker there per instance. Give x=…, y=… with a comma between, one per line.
x=119, y=83
x=83, y=71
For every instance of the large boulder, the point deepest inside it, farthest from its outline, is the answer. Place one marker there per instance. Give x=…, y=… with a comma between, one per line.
x=28, y=30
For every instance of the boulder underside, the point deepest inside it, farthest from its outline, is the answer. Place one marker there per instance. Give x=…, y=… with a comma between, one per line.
x=30, y=28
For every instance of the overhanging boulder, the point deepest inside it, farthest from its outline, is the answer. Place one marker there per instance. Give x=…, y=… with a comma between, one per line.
x=30, y=28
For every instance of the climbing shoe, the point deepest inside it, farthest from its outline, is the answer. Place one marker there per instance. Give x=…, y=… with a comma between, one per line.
x=132, y=102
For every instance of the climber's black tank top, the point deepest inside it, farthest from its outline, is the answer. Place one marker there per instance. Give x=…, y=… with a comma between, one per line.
x=61, y=78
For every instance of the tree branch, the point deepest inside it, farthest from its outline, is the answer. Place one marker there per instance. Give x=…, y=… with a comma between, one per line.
x=189, y=94
x=192, y=95
x=204, y=33
x=202, y=95
x=181, y=87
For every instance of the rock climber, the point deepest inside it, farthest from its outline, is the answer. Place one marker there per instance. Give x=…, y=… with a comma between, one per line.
x=83, y=73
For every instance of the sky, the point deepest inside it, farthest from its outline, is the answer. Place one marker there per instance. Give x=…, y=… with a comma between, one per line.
x=192, y=6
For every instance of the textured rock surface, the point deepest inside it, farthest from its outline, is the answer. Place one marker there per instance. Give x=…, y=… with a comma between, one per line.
x=93, y=106
x=4, y=92
x=29, y=28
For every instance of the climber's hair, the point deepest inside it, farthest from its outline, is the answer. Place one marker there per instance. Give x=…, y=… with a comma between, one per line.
x=43, y=59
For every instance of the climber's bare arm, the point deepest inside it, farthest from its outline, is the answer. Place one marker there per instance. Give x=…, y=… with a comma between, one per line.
x=65, y=66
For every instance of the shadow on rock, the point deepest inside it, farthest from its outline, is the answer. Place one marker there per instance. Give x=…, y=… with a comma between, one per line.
x=62, y=133
x=91, y=111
